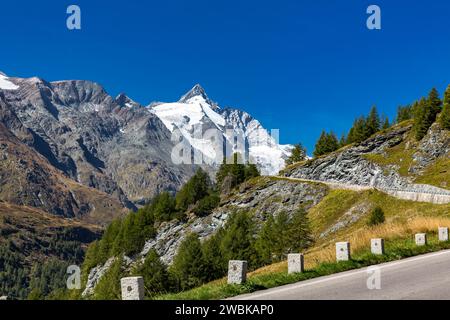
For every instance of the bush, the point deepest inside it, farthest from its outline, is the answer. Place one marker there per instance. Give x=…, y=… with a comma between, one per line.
x=376, y=217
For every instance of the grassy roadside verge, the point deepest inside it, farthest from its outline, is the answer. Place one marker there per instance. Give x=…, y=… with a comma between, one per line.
x=395, y=249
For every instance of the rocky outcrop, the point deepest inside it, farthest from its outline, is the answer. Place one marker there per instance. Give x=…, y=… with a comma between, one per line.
x=95, y=275
x=267, y=196
x=262, y=197
x=352, y=166
x=434, y=145
x=349, y=165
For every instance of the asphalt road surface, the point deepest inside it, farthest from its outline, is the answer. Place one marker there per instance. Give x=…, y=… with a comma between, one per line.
x=421, y=277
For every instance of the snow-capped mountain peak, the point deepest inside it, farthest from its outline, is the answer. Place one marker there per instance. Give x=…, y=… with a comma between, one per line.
x=196, y=91
x=195, y=111
x=6, y=84
x=126, y=102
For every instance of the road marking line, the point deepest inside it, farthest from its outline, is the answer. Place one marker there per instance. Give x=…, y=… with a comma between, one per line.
x=340, y=276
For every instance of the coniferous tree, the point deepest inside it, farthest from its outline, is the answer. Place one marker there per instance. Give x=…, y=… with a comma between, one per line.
x=404, y=113
x=233, y=173
x=108, y=287
x=251, y=171
x=434, y=101
x=320, y=145
x=298, y=154
x=327, y=143
x=357, y=133
x=281, y=229
x=372, y=124
x=445, y=115
x=385, y=123
x=195, y=189
x=163, y=207
x=188, y=266
x=154, y=272
x=425, y=114
x=265, y=242
x=343, y=141
x=298, y=234
x=238, y=240
x=215, y=263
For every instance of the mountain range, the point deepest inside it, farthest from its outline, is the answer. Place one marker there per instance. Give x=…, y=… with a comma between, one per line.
x=65, y=141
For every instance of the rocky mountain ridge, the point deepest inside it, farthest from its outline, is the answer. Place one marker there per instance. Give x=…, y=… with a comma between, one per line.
x=114, y=145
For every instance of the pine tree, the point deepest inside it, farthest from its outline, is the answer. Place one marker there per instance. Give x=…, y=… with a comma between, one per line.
x=404, y=113
x=188, y=266
x=445, y=114
x=298, y=232
x=320, y=145
x=265, y=241
x=434, y=101
x=357, y=133
x=281, y=228
x=154, y=272
x=372, y=123
x=163, y=207
x=298, y=154
x=215, y=263
x=421, y=124
x=108, y=287
x=385, y=123
x=195, y=189
x=233, y=173
x=238, y=240
x=251, y=171
x=425, y=115
x=327, y=142
x=342, y=141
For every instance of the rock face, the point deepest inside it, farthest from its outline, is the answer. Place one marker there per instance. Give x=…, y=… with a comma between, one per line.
x=95, y=275
x=116, y=145
x=269, y=197
x=29, y=179
x=113, y=145
x=352, y=166
x=349, y=166
x=434, y=145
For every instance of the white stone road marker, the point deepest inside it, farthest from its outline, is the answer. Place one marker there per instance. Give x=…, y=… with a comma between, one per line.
x=342, y=251
x=421, y=239
x=295, y=263
x=132, y=288
x=377, y=246
x=443, y=234
x=237, y=272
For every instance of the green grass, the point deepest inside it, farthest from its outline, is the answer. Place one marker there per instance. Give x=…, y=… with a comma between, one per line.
x=398, y=156
x=394, y=250
x=331, y=208
x=437, y=174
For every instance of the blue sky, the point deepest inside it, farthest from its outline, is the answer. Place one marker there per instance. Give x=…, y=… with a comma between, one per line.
x=300, y=66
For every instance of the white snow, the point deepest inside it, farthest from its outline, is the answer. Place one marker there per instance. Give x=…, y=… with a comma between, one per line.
x=5, y=84
x=189, y=115
x=186, y=115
